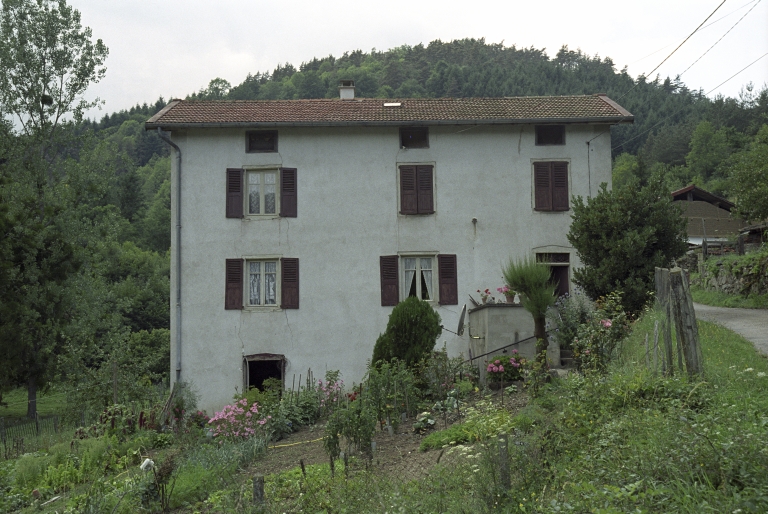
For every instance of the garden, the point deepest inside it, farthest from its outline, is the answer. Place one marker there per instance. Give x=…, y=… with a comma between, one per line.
x=420, y=434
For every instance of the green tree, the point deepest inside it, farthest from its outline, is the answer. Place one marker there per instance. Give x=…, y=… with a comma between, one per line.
x=622, y=235
x=412, y=330
x=749, y=178
x=709, y=148
x=537, y=294
x=47, y=61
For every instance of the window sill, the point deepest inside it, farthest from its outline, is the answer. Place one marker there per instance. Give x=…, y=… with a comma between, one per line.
x=259, y=217
x=262, y=308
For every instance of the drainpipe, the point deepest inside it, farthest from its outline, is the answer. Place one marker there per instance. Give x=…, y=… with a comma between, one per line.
x=165, y=138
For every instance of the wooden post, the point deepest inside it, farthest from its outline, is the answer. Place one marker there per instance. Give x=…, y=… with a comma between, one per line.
x=258, y=490
x=685, y=321
x=740, y=244
x=504, y=477
x=662, y=296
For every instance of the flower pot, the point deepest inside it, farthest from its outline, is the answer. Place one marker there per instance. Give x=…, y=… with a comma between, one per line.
x=510, y=299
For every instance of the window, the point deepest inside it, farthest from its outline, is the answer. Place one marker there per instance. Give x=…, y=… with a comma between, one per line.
x=428, y=277
x=418, y=277
x=260, y=367
x=260, y=141
x=550, y=181
x=550, y=135
x=267, y=282
x=261, y=192
x=262, y=282
x=416, y=189
x=414, y=137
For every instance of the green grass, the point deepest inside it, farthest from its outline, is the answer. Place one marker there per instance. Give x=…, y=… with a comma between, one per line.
x=50, y=402
x=719, y=299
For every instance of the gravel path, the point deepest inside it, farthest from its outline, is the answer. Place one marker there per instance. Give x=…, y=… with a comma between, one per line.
x=752, y=324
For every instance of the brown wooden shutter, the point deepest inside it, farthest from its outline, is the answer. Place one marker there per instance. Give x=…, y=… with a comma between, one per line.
x=289, y=288
x=233, y=297
x=559, y=186
x=542, y=184
x=408, y=195
x=449, y=289
x=288, y=192
x=390, y=291
x=234, y=193
x=425, y=195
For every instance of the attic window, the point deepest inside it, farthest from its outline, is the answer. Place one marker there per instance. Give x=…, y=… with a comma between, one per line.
x=261, y=141
x=392, y=104
x=414, y=137
x=550, y=135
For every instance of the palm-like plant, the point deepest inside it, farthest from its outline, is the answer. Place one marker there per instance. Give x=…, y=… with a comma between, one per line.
x=537, y=294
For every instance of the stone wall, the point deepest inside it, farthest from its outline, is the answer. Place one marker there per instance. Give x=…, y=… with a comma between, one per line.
x=743, y=276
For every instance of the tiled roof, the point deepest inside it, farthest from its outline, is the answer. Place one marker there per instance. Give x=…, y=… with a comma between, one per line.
x=372, y=111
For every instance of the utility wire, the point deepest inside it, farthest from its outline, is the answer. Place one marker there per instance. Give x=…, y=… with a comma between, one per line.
x=677, y=111
x=721, y=38
x=675, y=50
x=702, y=28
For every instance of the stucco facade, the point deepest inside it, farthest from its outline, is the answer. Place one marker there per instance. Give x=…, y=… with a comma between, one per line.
x=347, y=218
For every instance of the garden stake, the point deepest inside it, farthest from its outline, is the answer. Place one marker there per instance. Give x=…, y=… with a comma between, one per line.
x=258, y=490
x=333, y=468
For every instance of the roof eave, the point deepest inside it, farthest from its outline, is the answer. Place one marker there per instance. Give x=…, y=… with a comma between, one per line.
x=153, y=124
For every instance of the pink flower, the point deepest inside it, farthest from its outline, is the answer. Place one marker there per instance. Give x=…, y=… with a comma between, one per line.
x=514, y=350
x=497, y=362
x=586, y=352
x=501, y=369
x=606, y=323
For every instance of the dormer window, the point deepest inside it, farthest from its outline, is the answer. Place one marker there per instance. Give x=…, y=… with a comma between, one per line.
x=414, y=137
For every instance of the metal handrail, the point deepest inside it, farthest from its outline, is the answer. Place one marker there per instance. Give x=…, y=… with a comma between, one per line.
x=501, y=348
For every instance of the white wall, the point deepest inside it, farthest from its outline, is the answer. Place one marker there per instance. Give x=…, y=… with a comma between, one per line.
x=347, y=219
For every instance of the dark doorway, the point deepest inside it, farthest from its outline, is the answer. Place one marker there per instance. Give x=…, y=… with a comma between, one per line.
x=559, y=277
x=259, y=369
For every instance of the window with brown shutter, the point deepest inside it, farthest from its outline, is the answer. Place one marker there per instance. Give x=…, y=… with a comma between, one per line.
x=550, y=182
x=417, y=189
x=390, y=279
x=233, y=296
x=234, y=193
x=288, y=202
x=290, y=283
x=449, y=289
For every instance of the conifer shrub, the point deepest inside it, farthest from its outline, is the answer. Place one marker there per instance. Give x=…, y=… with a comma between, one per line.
x=411, y=332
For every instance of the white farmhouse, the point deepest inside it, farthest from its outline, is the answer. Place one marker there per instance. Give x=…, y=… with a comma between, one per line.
x=298, y=224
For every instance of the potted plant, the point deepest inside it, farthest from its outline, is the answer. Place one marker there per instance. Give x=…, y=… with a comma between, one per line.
x=508, y=293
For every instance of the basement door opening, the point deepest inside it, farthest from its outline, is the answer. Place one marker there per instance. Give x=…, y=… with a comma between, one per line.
x=260, y=367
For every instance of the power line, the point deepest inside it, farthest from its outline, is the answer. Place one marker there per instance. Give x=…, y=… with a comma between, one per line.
x=702, y=28
x=721, y=38
x=677, y=111
x=675, y=50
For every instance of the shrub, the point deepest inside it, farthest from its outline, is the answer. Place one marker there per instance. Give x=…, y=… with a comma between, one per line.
x=622, y=235
x=507, y=367
x=570, y=311
x=238, y=420
x=411, y=332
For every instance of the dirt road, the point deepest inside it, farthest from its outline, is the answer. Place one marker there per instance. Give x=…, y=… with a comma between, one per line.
x=752, y=324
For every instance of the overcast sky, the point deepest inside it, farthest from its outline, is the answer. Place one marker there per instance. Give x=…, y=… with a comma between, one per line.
x=173, y=47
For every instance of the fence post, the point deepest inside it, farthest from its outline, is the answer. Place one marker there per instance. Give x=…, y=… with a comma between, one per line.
x=740, y=244
x=685, y=321
x=258, y=490
x=37, y=424
x=663, y=297
x=504, y=476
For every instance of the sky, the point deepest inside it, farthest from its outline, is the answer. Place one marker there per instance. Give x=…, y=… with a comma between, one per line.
x=172, y=48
